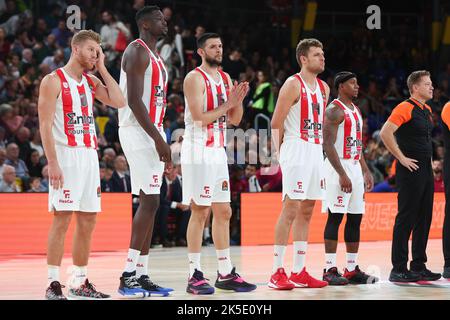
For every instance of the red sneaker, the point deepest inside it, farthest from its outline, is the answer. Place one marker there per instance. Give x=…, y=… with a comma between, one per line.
x=279, y=281
x=304, y=280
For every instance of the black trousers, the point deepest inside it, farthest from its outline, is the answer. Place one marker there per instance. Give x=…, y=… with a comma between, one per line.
x=415, y=210
x=181, y=222
x=446, y=227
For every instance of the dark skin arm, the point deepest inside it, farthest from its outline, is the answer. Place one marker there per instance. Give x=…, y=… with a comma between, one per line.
x=334, y=116
x=135, y=63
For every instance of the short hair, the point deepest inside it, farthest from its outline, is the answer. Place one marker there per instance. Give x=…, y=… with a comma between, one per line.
x=303, y=47
x=204, y=37
x=84, y=35
x=415, y=78
x=145, y=11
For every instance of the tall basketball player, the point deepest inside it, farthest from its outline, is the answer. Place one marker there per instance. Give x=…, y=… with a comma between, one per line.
x=346, y=176
x=67, y=123
x=211, y=101
x=297, y=129
x=143, y=80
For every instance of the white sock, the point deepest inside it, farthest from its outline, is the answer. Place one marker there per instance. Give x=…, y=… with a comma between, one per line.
x=330, y=260
x=278, y=257
x=299, y=255
x=224, y=260
x=194, y=263
x=79, y=275
x=142, y=266
x=52, y=274
x=132, y=259
x=205, y=233
x=352, y=261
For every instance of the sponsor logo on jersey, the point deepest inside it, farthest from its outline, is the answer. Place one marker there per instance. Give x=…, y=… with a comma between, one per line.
x=206, y=193
x=340, y=202
x=66, y=194
x=155, y=183
x=82, y=119
x=353, y=142
x=310, y=125
x=225, y=186
x=299, y=187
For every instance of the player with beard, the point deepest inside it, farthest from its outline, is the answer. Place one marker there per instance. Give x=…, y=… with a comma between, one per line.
x=212, y=101
x=346, y=174
x=297, y=130
x=143, y=81
x=66, y=100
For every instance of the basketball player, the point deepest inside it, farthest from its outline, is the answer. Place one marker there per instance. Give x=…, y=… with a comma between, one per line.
x=67, y=124
x=346, y=173
x=143, y=81
x=211, y=101
x=297, y=126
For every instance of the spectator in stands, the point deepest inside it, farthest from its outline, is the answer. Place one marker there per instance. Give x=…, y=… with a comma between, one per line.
x=12, y=159
x=56, y=61
x=22, y=140
x=5, y=46
x=114, y=36
x=170, y=204
x=34, y=164
x=105, y=177
x=270, y=178
x=233, y=64
x=2, y=137
x=387, y=185
x=108, y=157
x=252, y=180
x=62, y=34
x=120, y=179
x=2, y=161
x=8, y=183
x=437, y=166
x=35, y=185
x=44, y=180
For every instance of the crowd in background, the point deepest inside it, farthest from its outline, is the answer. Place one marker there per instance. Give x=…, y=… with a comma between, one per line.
x=35, y=41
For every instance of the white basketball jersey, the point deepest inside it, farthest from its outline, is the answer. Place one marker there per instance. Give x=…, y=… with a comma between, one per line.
x=216, y=93
x=305, y=118
x=74, y=123
x=349, y=136
x=154, y=94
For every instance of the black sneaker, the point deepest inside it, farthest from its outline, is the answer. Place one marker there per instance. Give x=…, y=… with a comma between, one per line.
x=129, y=286
x=54, y=292
x=427, y=275
x=233, y=281
x=333, y=277
x=446, y=273
x=87, y=291
x=151, y=287
x=404, y=276
x=358, y=277
x=197, y=284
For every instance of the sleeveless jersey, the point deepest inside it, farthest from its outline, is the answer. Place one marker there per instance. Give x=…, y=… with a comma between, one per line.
x=349, y=136
x=74, y=123
x=216, y=93
x=154, y=93
x=305, y=118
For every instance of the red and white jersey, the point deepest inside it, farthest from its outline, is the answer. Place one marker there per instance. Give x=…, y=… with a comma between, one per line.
x=305, y=118
x=349, y=135
x=216, y=93
x=154, y=94
x=74, y=123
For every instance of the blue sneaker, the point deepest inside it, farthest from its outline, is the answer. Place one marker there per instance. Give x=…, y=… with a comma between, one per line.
x=129, y=286
x=153, y=288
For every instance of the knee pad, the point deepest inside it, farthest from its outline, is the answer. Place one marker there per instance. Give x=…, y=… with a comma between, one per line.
x=352, y=228
x=332, y=227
